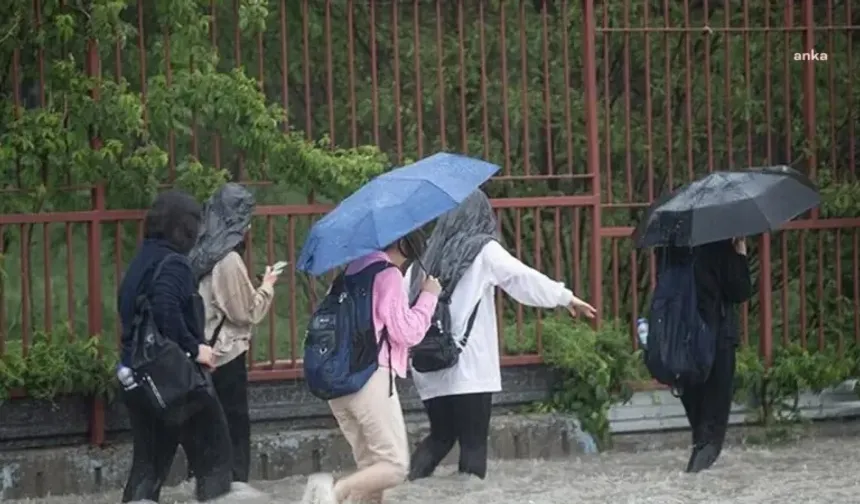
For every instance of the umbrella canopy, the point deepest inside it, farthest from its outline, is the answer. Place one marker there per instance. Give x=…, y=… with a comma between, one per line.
x=389, y=207
x=724, y=205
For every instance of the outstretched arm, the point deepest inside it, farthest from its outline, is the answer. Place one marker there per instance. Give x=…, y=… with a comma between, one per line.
x=523, y=283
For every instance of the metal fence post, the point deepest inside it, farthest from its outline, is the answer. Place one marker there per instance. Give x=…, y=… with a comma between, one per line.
x=593, y=159
x=94, y=266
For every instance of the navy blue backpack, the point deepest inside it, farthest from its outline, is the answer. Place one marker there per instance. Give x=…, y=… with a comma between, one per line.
x=341, y=348
x=680, y=345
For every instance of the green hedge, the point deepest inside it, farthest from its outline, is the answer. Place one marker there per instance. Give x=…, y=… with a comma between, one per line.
x=60, y=364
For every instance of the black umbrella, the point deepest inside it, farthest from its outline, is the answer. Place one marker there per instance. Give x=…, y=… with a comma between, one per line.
x=724, y=205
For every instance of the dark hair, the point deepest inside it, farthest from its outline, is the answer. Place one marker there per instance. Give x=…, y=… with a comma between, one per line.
x=175, y=217
x=240, y=247
x=412, y=246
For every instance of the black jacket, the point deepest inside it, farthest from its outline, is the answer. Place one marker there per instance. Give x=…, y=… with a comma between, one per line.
x=722, y=281
x=176, y=307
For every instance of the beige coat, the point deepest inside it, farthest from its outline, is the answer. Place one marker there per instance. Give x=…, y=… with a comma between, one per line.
x=228, y=292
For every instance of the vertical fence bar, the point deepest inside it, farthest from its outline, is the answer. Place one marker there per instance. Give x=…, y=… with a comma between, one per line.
x=285, y=70
x=25, y=230
x=94, y=267
x=593, y=156
x=3, y=284
x=482, y=50
x=329, y=74
x=440, y=80
x=395, y=47
x=565, y=47
x=809, y=88
x=524, y=89
x=461, y=75
x=416, y=56
x=506, y=121
x=46, y=270
x=374, y=72
x=350, y=50
x=765, y=304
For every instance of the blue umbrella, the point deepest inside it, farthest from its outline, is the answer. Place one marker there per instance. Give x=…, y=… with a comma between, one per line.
x=391, y=206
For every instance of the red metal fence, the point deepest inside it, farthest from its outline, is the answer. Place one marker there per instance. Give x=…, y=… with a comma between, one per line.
x=591, y=108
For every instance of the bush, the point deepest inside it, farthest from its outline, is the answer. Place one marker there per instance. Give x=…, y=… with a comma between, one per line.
x=773, y=393
x=59, y=364
x=594, y=370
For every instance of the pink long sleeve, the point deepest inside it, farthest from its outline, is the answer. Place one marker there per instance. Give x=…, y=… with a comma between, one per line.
x=406, y=326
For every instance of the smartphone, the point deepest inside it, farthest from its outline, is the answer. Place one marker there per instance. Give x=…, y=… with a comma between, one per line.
x=279, y=267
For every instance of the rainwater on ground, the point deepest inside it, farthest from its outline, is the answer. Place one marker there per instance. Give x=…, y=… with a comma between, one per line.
x=811, y=471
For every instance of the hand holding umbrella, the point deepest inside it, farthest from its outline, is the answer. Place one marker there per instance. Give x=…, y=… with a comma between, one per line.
x=740, y=245
x=431, y=284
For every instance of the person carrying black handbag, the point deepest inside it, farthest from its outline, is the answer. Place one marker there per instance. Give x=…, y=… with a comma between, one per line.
x=167, y=389
x=457, y=387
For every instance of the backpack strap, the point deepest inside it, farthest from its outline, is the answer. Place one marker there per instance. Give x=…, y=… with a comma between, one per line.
x=384, y=338
x=469, y=324
x=371, y=269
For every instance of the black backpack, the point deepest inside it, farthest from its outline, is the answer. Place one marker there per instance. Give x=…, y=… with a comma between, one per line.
x=680, y=347
x=165, y=373
x=439, y=349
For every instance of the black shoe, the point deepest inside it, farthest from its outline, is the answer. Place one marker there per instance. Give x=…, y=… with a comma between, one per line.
x=693, y=455
x=703, y=458
x=421, y=465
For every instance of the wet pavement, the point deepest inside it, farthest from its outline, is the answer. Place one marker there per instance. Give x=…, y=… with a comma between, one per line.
x=824, y=471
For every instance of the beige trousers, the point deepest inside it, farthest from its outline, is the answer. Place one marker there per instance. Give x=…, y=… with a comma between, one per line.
x=372, y=423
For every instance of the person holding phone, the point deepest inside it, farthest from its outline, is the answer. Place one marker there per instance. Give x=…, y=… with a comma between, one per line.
x=233, y=306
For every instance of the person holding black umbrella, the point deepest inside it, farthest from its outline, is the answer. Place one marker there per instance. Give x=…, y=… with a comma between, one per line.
x=692, y=331
x=722, y=280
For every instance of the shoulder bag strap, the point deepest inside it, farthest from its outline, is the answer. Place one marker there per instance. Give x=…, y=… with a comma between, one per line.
x=469, y=325
x=217, y=332
x=158, y=269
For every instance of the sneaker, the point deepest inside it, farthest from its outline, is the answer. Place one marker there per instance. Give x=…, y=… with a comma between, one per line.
x=320, y=490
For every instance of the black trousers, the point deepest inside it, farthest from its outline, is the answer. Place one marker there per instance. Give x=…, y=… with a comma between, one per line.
x=203, y=437
x=464, y=419
x=231, y=385
x=709, y=404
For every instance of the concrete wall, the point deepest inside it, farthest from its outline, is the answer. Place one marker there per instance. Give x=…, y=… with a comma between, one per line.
x=42, y=450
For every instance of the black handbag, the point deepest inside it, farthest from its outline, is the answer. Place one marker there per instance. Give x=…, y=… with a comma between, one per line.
x=439, y=350
x=165, y=373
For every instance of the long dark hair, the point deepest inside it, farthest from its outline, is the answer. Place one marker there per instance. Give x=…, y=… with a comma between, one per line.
x=175, y=217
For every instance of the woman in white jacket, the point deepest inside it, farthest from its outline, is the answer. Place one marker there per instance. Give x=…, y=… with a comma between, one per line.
x=464, y=251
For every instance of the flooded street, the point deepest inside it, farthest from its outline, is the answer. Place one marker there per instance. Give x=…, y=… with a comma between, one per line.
x=812, y=471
